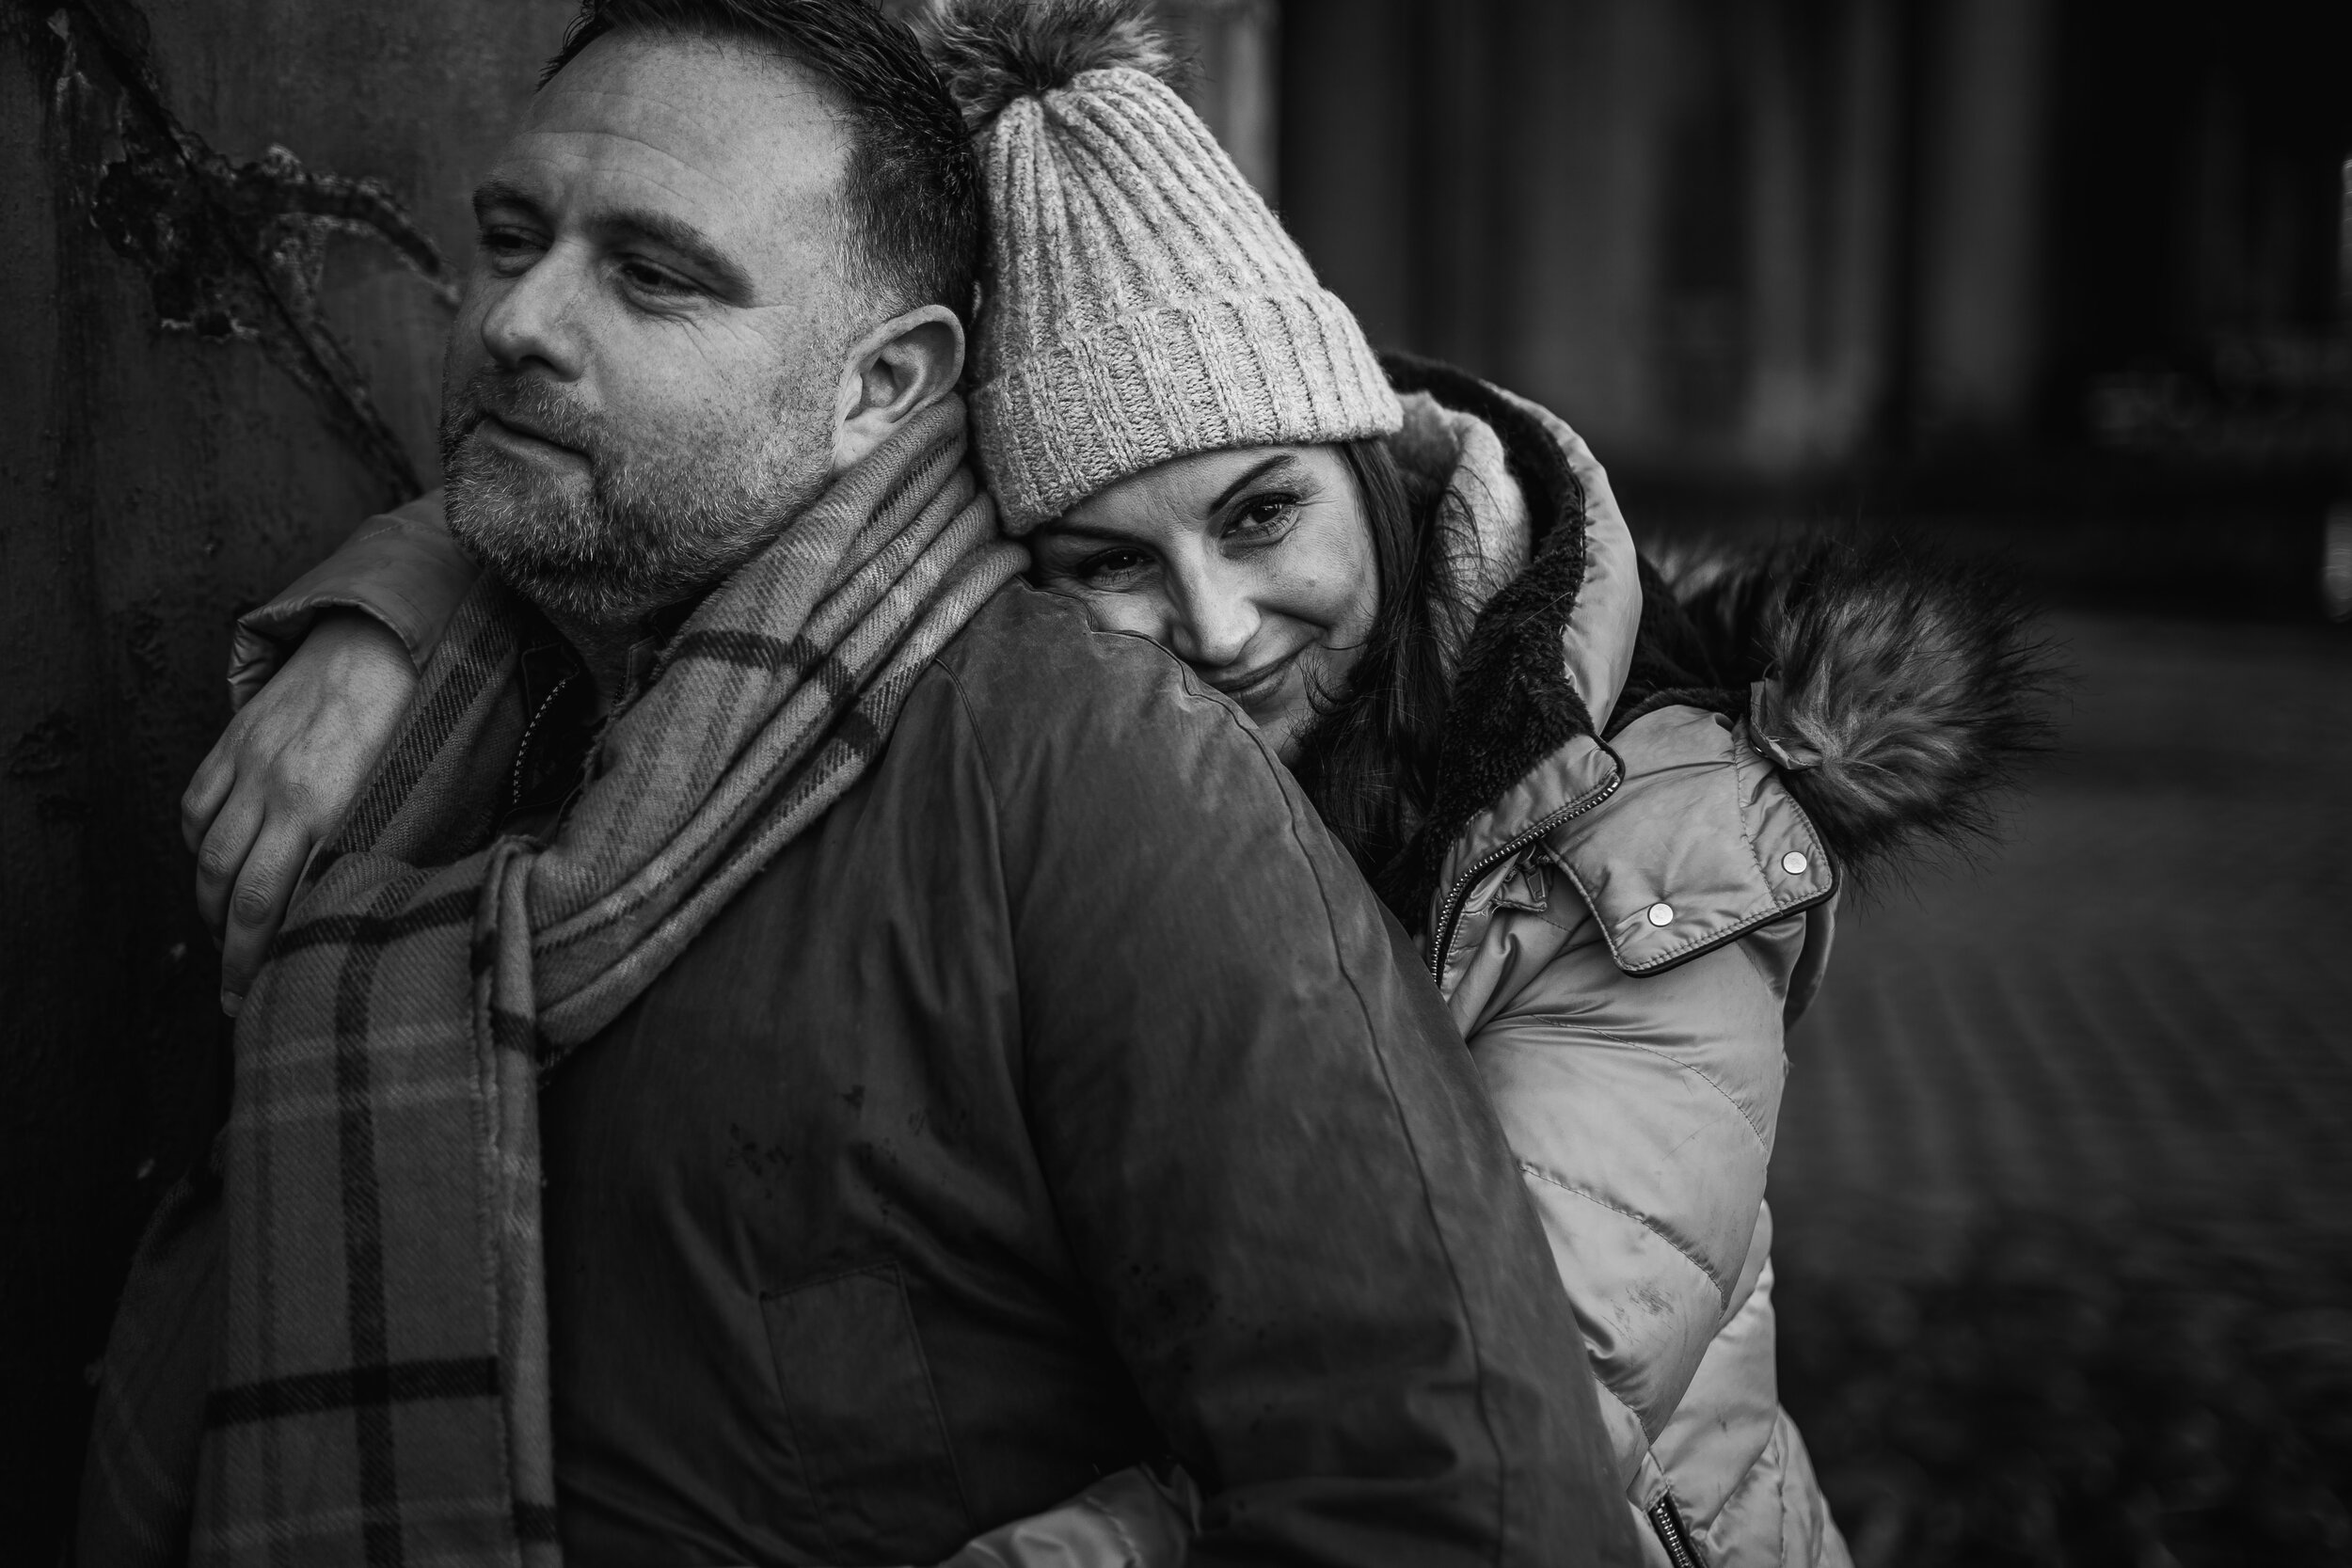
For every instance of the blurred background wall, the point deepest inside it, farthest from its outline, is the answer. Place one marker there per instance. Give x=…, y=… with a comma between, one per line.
x=2070, y=273
x=2062, y=280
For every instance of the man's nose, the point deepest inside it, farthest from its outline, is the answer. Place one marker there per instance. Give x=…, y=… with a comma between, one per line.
x=535, y=321
x=1215, y=616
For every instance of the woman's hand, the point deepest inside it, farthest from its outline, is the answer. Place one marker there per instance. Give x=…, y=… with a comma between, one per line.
x=1133, y=1518
x=279, y=780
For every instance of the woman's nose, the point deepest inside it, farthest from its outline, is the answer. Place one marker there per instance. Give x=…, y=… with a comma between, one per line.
x=1214, y=617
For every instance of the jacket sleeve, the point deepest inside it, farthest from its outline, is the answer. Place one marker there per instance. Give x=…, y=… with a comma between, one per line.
x=403, y=568
x=1275, y=1166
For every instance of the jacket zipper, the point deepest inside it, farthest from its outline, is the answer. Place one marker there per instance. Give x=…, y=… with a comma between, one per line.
x=523, y=756
x=1675, y=1536
x=1450, y=910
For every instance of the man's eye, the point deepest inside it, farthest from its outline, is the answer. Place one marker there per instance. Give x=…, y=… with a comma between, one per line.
x=646, y=278
x=509, y=247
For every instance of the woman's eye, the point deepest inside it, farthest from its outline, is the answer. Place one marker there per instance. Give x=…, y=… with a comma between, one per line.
x=1110, y=567
x=1263, y=514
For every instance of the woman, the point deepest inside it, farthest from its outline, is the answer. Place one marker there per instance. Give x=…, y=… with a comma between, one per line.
x=1616, y=820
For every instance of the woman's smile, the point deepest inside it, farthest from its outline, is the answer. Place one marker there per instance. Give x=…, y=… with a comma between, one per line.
x=1252, y=688
x=1254, y=565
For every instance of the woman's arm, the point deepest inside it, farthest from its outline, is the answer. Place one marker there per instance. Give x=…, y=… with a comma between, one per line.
x=401, y=570
x=321, y=679
x=1137, y=1518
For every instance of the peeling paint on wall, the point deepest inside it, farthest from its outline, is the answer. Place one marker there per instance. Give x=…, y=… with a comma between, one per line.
x=230, y=251
x=45, y=747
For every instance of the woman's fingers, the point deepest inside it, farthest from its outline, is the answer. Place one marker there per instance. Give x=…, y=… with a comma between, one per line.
x=281, y=777
x=229, y=838
x=265, y=885
x=208, y=787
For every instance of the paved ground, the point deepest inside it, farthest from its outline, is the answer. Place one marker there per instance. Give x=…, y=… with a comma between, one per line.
x=2064, y=1181
x=2144, y=1001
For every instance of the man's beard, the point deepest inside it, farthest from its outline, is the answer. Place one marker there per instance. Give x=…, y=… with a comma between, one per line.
x=659, y=522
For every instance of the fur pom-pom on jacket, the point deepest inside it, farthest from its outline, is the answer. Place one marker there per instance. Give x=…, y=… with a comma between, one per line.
x=1904, y=691
x=1901, y=689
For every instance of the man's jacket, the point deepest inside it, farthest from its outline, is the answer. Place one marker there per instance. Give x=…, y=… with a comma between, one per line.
x=1058, y=1102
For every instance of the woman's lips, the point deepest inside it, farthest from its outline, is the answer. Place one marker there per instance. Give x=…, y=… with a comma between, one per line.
x=1252, y=688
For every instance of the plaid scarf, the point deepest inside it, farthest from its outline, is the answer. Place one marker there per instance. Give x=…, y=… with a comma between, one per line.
x=350, y=1363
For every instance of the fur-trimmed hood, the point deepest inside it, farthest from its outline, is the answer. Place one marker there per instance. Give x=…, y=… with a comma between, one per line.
x=1897, y=691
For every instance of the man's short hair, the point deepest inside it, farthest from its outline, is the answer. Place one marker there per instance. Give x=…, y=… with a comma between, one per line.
x=911, y=193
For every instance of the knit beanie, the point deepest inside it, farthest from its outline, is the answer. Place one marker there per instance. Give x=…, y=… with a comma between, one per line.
x=1141, y=302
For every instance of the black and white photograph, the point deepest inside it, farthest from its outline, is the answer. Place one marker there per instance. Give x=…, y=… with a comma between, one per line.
x=1176, y=784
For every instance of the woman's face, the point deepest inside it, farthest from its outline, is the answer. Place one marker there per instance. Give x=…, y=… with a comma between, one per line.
x=1254, y=567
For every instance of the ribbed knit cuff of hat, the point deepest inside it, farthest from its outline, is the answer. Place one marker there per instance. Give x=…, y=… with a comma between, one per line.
x=1091, y=408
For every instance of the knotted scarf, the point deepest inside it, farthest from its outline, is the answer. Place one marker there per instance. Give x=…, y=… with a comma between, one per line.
x=338, y=1353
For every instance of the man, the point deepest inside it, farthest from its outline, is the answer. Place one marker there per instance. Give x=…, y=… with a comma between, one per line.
x=959, y=1065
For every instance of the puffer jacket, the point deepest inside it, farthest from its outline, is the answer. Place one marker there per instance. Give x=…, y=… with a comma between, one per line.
x=1623, y=919
x=1651, y=796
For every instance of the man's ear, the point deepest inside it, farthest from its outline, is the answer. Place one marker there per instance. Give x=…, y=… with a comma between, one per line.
x=894, y=372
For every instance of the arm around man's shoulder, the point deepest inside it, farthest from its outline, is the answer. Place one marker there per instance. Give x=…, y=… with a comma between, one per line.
x=1267, y=1147
x=402, y=569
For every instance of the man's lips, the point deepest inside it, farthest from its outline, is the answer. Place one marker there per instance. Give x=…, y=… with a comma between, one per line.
x=511, y=431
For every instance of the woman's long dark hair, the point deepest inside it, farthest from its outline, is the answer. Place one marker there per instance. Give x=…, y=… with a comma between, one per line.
x=1369, y=762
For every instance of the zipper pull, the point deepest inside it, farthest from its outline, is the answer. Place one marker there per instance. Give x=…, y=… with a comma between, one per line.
x=1681, y=1550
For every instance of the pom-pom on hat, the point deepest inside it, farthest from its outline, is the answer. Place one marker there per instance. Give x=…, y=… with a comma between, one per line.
x=1142, y=303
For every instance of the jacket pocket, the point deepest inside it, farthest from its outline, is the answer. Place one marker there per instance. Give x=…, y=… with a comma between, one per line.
x=865, y=1422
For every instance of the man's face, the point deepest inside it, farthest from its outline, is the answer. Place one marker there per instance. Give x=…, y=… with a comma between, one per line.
x=640, y=383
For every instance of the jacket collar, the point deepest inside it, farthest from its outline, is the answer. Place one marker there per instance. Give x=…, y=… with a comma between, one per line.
x=1553, y=620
